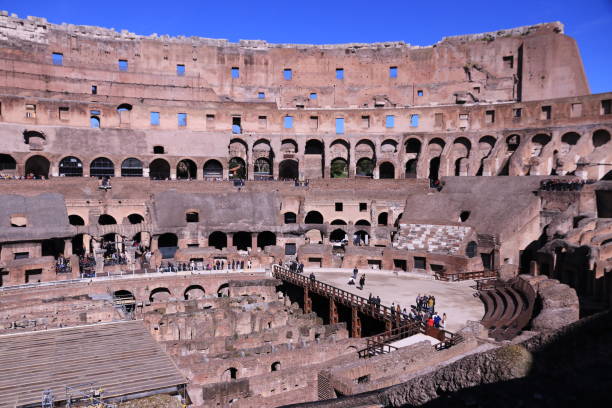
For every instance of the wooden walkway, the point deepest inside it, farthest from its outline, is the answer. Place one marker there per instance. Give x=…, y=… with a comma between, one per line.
x=122, y=358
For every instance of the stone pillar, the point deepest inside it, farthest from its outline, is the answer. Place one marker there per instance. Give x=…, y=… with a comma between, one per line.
x=68, y=248
x=154, y=242
x=333, y=312
x=388, y=325
x=307, y=301
x=87, y=243
x=355, y=323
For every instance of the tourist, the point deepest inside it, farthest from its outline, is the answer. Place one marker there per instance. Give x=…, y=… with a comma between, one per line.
x=443, y=321
x=362, y=281
x=436, y=320
x=430, y=322
x=355, y=272
x=312, y=276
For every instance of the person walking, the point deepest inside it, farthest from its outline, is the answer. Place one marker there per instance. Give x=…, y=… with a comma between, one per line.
x=362, y=281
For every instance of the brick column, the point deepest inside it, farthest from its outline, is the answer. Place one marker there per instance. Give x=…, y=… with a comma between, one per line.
x=333, y=312
x=307, y=301
x=355, y=323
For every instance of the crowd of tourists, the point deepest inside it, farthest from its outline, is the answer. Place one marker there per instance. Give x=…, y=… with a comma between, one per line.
x=564, y=184
x=87, y=265
x=29, y=176
x=115, y=258
x=216, y=265
x=62, y=265
x=424, y=311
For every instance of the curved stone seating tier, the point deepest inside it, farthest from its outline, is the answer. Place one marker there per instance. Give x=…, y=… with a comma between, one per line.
x=508, y=308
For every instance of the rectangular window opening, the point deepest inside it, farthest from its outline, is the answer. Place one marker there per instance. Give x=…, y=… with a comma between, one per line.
x=287, y=74
x=263, y=121
x=235, y=72
x=236, y=125
x=64, y=112
x=155, y=118
x=508, y=61
x=339, y=206
x=390, y=121
x=420, y=92
x=21, y=255
x=182, y=119
x=392, y=72
x=490, y=116
x=339, y=73
x=439, y=120
x=363, y=207
x=313, y=95
x=576, y=110
x=365, y=121
x=419, y=262
x=123, y=65
x=180, y=69
x=314, y=122
x=30, y=111
x=58, y=58
x=414, y=120
x=546, y=113
x=261, y=95
x=339, y=126
x=94, y=89
x=288, y=122
x=517, y=112
x=606, y=107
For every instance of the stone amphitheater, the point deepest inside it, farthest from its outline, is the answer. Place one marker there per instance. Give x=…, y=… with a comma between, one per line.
x=180, y=218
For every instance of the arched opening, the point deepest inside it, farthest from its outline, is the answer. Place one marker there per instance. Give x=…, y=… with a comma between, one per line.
x=160, y=295
x=70, y=167
x=237, y=169
x=464, y=216
x=135, y=219
x=262, y=169
x=413, y=146
x=37, y=167
x=434, y=168
x=288, y=170
x=315, y=148
x=460, y=166
x=102, y=167
x=365, y=167
x=338, y=222
x=289, y=146
x=124, y=110
x=383, y=218
x=52, y=247
x=131, y=167
x=361, y=237
x=94, y=122
x=223, y=290
x=265, y=238
x=388, y=146
x=167, y=244
x=213, y=169
x=313, y=217
x=386, y=171
x=290, y=218
x=105, y=219
x=7, y=162
x=194, y=292
x=339, y=168
x=192, y=216
x=485, y=146
x=411, y=168
x=470, y=249
x=76, y=220
x=229, y=374
x=275, y=366
x=126, y=297
x=363, y=222
x=398, y=219
x=570, y=138
x=34, y=139
x=77, y=246
x=513, y=142
x=186, y=170
x=600, y=138
x=242, y=240
x=338, y=235
x=217, y=239
x=159, y=169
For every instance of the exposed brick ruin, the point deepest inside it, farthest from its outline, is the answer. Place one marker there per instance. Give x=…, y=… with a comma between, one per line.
x=162, y=179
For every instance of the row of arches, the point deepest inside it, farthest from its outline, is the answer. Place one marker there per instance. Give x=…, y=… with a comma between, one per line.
x=315, y=217
x=242, y=240
x=105, y=219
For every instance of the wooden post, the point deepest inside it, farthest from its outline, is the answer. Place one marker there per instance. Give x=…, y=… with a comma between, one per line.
x=333, y=311
x=307, y=301
x=355, y=323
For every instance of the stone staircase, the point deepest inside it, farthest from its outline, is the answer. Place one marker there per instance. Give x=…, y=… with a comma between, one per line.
x=444, y=239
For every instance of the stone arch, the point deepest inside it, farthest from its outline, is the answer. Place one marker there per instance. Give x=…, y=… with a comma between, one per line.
x=262, y=169
x=339, y=168
x=290, y=217
x=289, y=146
x=167, y=244
x=95, y=122
x=388, y=146
x=434, y=168
x=275, y=366
x=313, y=236
x=127, y=297
x=160, y=295
x=411, y=168
x=314, y=146
x=365, y=167
x=313, y=217
x=106, y=219
x=340, y=148
x=217, y=239
x=512, y=142
x=538, y=142
x=102, y=167
x=570, y=138
x=338, y=221
x=186, y=169
x=37, y=166
x=159, y=169
x=71, y=166
x=486, y=144
x=413, y=146
x=131, y=167
x=135, y=218
x=34, y=138
x=76, y=220
x=7, y=162
x=229, y=374
x=223, y=290
x=194, y=292
x=383, y=218
x=363, y=236
x=237, y=169
x=365, y=148
x=436, y=146
x=365, y=223
x=461, y=151
x=242, y=240
x=337, y=235
x=238, y=148
x=124, y=111
x=288, y=170
x=312, y=149
x=386, y=170
x=600, y=138
x=266, y=238
x=213, y=169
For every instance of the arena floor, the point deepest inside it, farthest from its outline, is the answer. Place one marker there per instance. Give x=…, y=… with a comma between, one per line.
x=453, y=298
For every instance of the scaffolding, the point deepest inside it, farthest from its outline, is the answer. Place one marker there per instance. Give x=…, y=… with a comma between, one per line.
x=86, y=394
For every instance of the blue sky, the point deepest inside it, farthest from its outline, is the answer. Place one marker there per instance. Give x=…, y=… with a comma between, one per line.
x=341, y=21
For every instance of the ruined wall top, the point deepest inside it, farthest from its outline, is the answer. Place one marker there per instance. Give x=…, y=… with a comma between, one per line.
x=35, y=29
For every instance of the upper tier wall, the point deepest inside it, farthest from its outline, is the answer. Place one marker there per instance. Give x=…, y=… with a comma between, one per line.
x=527, y=63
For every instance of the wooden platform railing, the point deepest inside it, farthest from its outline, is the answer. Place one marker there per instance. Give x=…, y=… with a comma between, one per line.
x=460, y=276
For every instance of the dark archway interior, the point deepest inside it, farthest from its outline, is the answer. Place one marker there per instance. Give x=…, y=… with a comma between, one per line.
x=288, y=170
x=337, y=235
x=434, y=168
x=53, y=247
x=7, y=162
x=159, y=169
x=290, y=218
x=186, y=169
x=411, y=168
x=266, y=238
x=383, y=218
x=76, y=220
x=168, y=244
x=135, y=218
x=313, y=217
x=37, y=166
x=106, y=219
x=102, y=167
x=71, y=167
x=242, y=240
x=217, y=239
x=386, y=171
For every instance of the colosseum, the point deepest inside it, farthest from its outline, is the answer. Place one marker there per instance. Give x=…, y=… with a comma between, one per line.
x=195, y=222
